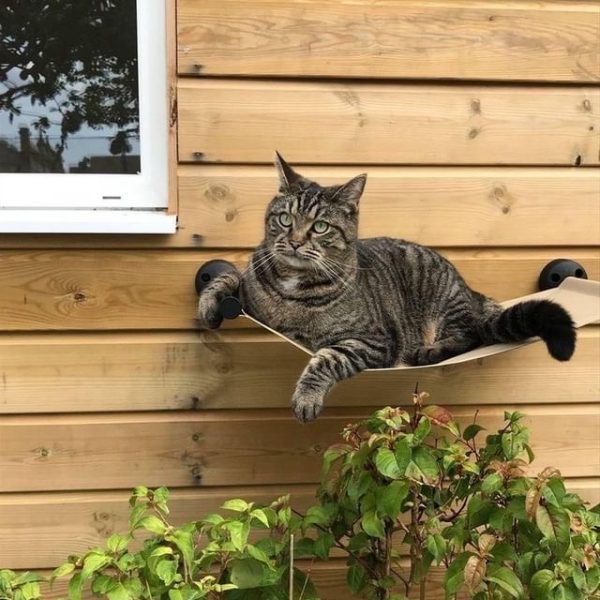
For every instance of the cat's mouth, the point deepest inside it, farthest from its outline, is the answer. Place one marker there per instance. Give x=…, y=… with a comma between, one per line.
x=296, y=260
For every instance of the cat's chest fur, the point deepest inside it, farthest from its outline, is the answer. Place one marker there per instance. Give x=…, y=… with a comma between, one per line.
x=286, y=311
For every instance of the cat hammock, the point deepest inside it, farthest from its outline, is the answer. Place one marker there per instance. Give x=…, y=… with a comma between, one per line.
x=562, y=281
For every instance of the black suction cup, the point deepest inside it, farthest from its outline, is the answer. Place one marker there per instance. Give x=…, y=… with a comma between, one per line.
x=211, y=270
x=231, y=307
x=556, y=271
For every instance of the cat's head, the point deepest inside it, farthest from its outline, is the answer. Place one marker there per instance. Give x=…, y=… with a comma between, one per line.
x=307, y=223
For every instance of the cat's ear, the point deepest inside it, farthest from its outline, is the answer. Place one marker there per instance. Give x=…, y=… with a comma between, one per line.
x=287, y=176
x=351, y=191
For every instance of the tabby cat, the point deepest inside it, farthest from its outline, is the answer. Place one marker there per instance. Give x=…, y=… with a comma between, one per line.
x=360, y=304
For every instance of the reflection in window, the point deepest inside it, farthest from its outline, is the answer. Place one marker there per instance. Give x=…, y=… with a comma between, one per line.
x=68, y=86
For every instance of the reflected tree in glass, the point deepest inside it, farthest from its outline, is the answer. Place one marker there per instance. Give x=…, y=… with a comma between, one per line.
x=68, y=71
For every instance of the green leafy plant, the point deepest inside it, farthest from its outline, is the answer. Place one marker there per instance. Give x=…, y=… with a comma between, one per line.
x=244, y=554
x=416, y=482
x=19, y=586
x=406, y=491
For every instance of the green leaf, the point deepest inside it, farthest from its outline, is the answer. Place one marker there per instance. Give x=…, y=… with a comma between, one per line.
x=323, y=545
x=75, y=586
x=119, y=592
x=386, y=463
x=437, y=546
x=153, y=524
x=30, y=590
x=63, y=570
x=261, y=516
x=28, y=577
x=541, y=584
x=454, y=577
x=426, y=462
x=94, y=561
x=403, y=454
x=507, y=580
x=554, y=492
x=567, y=591
x=478, y=511
x=237, y=505
x=258, y=554
x=184, y=541
x=238, y=533
x=161, y=551
x=373, y=525
x=103, y=583
x=471, y=431
x=246, y=573
x=421, y=431
x=554, y=523
x=166, y=570
x=356, y=577
x=389, y=498
x=503, y=552
x=317, y=515
x=136, y=514
x=117, y=543
x=138, y=492
x=491, y=483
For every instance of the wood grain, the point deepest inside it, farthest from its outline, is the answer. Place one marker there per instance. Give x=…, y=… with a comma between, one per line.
x=545, y=41
x=105, y=289
x=253, y=447
x=225, y=206
x=364, y=123
x=44, y=528
x=121, y=372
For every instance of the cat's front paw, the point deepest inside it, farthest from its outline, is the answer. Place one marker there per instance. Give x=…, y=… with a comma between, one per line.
x=209, y=314
x=307, y=405
x=424, y=355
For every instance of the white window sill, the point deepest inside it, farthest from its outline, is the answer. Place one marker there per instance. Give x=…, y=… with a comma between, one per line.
x=86, y=221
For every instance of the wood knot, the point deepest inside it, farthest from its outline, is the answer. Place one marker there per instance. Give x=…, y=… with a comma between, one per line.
x=217, y=193
x=79, y=297
x=230, y=215
x=586, y=105
x=317, y=448
x=197, y=437
x=473, y=133
x=43, y=452
x=476, y=106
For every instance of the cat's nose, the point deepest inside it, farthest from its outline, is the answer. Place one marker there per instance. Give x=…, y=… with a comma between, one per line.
x=295, y=244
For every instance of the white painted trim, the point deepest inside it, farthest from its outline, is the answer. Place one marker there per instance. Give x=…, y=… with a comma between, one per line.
x=87, y=221
x=149, y=189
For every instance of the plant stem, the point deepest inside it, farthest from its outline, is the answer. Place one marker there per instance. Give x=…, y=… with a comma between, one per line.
x=292, y=566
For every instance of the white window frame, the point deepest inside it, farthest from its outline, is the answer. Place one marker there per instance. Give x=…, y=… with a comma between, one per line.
x=111, y=203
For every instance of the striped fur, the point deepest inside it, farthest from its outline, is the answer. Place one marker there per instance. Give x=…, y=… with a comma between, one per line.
x=369, y=303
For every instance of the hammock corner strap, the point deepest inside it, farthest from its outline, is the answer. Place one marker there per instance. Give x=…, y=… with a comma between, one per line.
x=563, y=281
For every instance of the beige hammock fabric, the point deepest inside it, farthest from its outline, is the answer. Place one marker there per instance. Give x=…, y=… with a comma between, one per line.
x=580, y=297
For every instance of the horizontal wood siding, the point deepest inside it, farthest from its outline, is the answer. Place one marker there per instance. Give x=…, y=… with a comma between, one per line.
x=478, y=123
x=103, y=289
x=124, y=372
x=89, y=517
x=368, y=123
x=535, y=41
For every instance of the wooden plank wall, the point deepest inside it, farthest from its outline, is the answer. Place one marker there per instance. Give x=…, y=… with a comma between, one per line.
x=478, y=123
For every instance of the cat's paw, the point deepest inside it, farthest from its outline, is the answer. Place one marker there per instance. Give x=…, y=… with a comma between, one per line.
x=307, y=406
x=424, y=355
x=209, y=314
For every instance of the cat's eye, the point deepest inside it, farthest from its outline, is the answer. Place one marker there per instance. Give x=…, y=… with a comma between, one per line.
x=320, y=226
x=285, y=219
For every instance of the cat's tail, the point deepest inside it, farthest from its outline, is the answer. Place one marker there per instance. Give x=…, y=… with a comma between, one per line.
x=542, y=318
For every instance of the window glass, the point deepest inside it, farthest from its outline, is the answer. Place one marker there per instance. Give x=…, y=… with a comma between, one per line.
x=69, y=100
